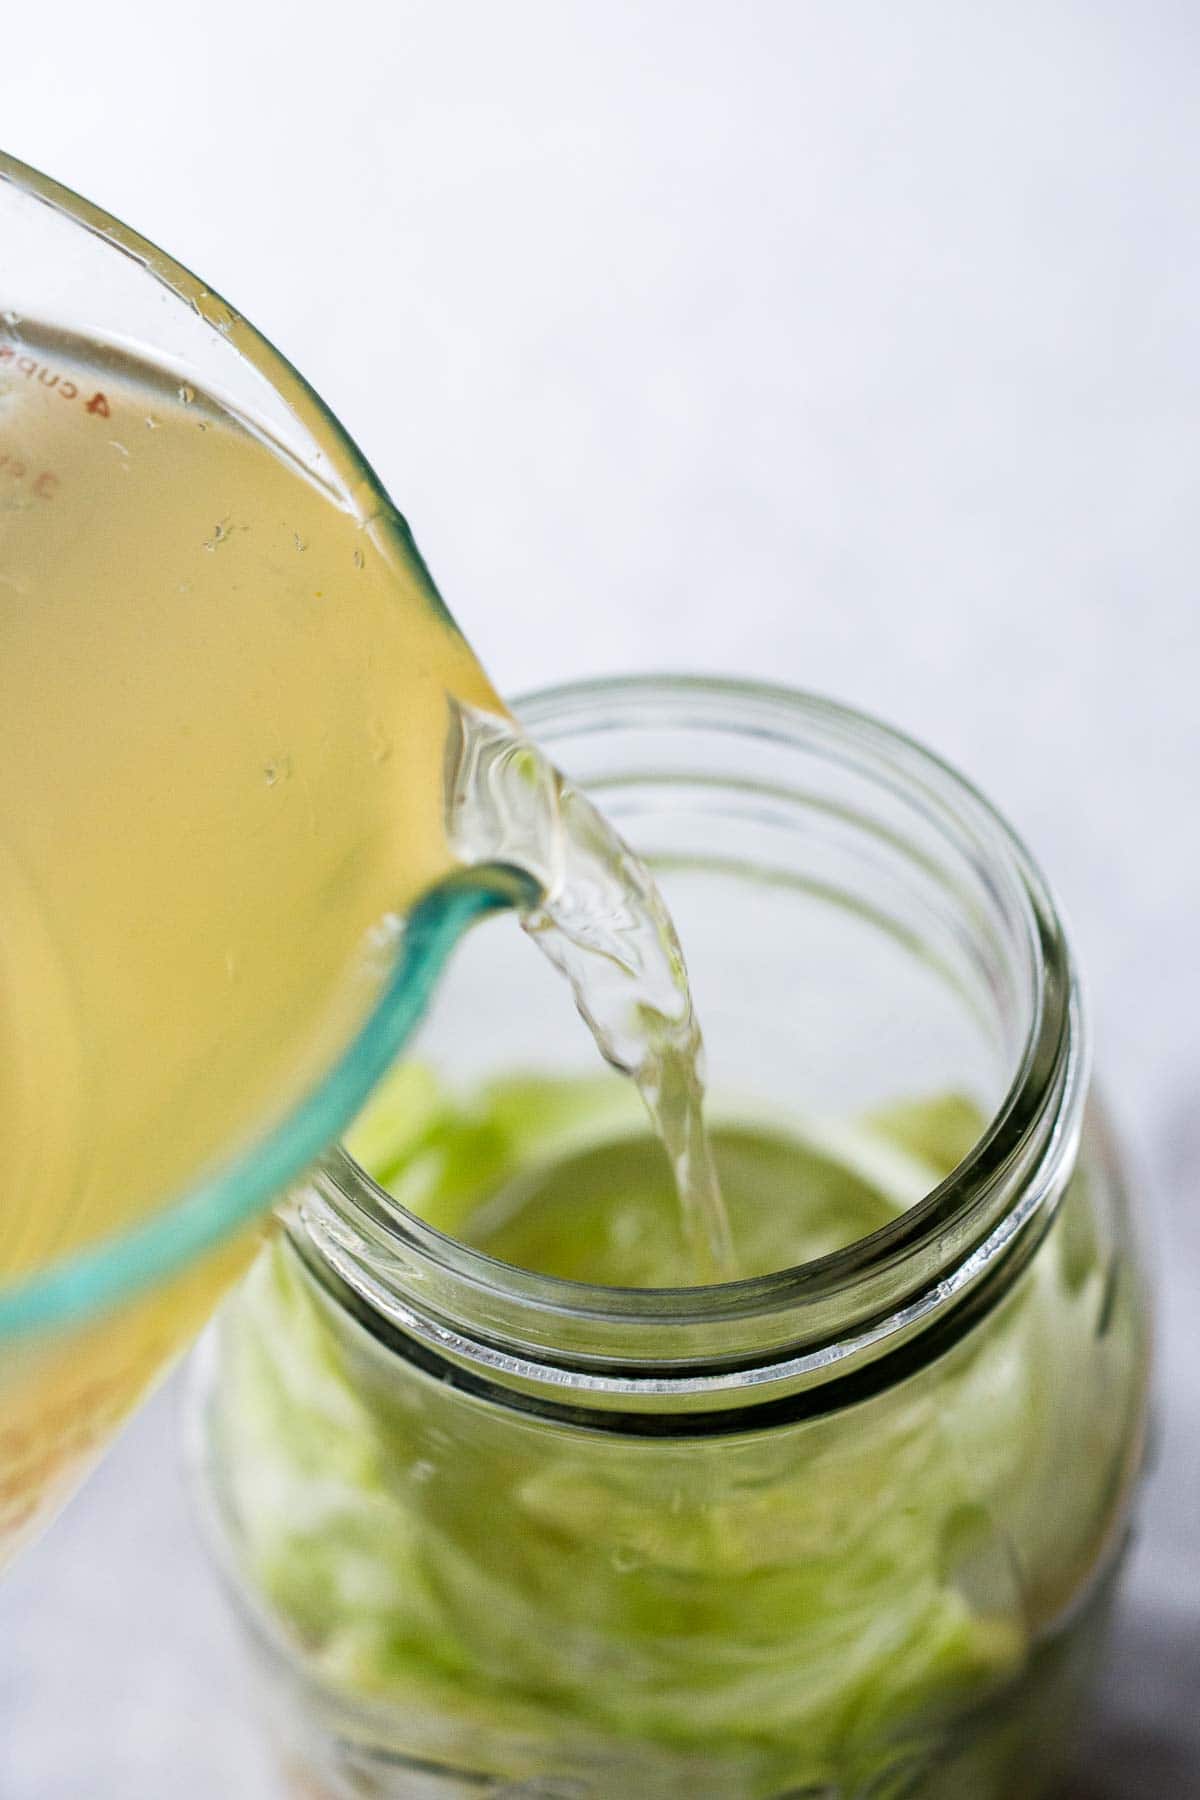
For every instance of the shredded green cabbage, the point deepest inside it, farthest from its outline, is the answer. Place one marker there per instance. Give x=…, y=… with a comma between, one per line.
x=813, y=1604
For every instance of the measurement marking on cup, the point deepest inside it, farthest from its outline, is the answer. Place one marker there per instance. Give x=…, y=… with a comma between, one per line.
x=42, y=482
x=95, y=403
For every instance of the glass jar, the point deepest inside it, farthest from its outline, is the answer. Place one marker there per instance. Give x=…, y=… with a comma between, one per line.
x=845, y=1529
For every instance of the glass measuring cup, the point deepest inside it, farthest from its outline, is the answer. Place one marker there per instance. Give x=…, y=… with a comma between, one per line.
x=224, y=885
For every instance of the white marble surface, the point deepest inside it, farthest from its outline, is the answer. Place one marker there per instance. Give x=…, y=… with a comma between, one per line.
x=850, y=345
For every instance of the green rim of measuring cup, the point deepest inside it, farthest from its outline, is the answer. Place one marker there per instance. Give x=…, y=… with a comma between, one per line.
x=80, y=1286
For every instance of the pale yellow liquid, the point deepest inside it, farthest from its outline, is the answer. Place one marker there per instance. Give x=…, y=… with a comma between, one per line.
x=223, y=721
x=223, y=715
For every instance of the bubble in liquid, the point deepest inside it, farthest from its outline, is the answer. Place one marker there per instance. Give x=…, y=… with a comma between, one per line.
x=278, y=769
x=186, y=392
x=381, y=939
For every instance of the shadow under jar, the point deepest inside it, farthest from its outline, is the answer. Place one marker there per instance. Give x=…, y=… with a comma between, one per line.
x=848, y=1527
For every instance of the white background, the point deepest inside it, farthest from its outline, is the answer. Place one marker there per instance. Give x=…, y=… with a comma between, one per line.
x=851, y=345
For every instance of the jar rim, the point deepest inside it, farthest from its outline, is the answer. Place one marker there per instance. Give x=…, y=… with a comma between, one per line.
x=844, y=1305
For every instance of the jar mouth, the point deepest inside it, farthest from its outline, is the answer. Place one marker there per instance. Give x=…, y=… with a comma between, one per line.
x=880, y=1287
